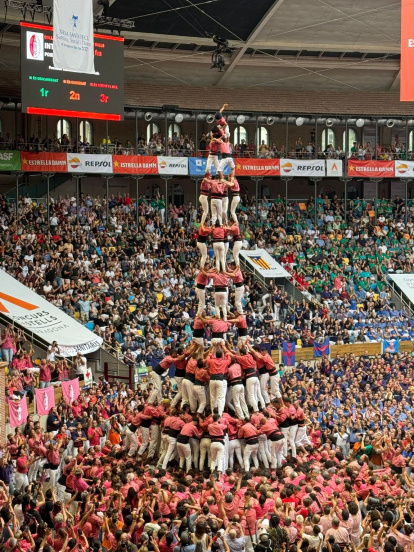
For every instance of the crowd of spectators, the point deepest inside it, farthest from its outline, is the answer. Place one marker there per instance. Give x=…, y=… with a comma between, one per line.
x=75, y=485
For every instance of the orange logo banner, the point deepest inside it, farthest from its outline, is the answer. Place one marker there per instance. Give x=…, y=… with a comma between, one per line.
x=407, y=51
x=14, y=301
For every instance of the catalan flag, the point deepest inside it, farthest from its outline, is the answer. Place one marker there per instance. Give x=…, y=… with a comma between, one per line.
x=260, y=262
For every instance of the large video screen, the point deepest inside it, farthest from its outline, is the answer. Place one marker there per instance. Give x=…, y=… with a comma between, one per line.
x=46, y=91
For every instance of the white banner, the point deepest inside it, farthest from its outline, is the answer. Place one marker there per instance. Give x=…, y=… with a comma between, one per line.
x=172, y=165
x=73, y=47
x=88, y=163
x=406, y=284
x=46, y=321
x=404, y=169
x=334, y=167
x=264, y=264
x=302, y=167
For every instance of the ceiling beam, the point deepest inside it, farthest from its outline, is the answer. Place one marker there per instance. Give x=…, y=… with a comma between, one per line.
x=396, y=82
x=236, y=57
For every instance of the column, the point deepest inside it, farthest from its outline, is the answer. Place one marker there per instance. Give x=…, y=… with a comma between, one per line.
x=345, y=181
x=315, y=181
x=286, y=179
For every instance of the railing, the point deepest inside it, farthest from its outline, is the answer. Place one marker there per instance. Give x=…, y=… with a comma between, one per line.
x=249, y=153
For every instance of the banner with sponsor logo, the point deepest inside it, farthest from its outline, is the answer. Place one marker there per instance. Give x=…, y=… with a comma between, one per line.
x=197, y=167
x=257, y=167
x=406, y=284
x=89, y=163
x=10, y=161
x=260, y=261
x=135, y=164
x=172, y=165
x=30, y=310
x=407, y=52
x=43, y=162
x=302, y=167
x=334, y=167
x=404, y=169
x=73, y=47
x=370, y=168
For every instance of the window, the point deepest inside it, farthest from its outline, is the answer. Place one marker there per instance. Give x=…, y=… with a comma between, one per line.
x=63, y=127
x=352, y=137
x=86, y=132
x=174, y=129
x=240, y=133
x=262, y=136
x=152, y=129
x=328, y=138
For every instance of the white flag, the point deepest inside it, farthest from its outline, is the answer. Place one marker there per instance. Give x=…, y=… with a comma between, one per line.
x=73, y=47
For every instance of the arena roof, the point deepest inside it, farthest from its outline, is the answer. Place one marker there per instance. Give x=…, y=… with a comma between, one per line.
x=298, y=45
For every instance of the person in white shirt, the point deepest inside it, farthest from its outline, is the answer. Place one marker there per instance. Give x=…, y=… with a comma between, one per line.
x=52, y=351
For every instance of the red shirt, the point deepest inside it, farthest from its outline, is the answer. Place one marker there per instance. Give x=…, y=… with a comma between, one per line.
x=220, y=326
x=216, y=429
x=219, y=233
x=247, y=430
x=201, y=279
x=269, y=427
x=245, y=361
x=167, y=362
x=234, y=372
x=190, y=430
x=218, y=365
x=220, y=280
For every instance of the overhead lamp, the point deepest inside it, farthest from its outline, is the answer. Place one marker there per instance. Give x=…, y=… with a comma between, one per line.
x=148, y=116
x=360, y=123
x=329, y=122
x=179, y=118
x=299, y=121
x=210, y=118
x=270, y=120
x=240, y=119
x=390, y=123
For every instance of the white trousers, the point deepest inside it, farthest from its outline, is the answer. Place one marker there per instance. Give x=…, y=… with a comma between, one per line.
x=216, y=211
x=233, y=206
x=189, y=396
x=218, y=390
x=264, y=380
x=264, y=453
x=274, y=386
x=163, y=449
x=195, y=451
x=253, y=393
x=145, y=439
x=130, y=442
x=225, y=207
x=293, y=429
x=201, y=296
x=155, y=432
x=200, y=393
x=238, y=296
x=226, y=162
x=276, y=452
x=212, y=160
x=179, y=395
x=157, y=385
x=203, y=199
x=237, y=245
x=239, y=401
x=250, y=451
x=220, y=257
x=217, y=453
x=285, y=431
x=203, y=252
x=184, y=452
x=235, y=449
x=302, y=438
x=220, y=303
x=205, y=450
x=171, y=442
x=20, y=481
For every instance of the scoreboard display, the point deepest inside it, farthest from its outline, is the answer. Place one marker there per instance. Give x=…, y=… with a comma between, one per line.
x=47, y=91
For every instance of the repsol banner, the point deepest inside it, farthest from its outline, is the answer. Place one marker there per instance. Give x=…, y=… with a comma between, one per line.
x=86, y=163
x=172, y=165
x=302, y=167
